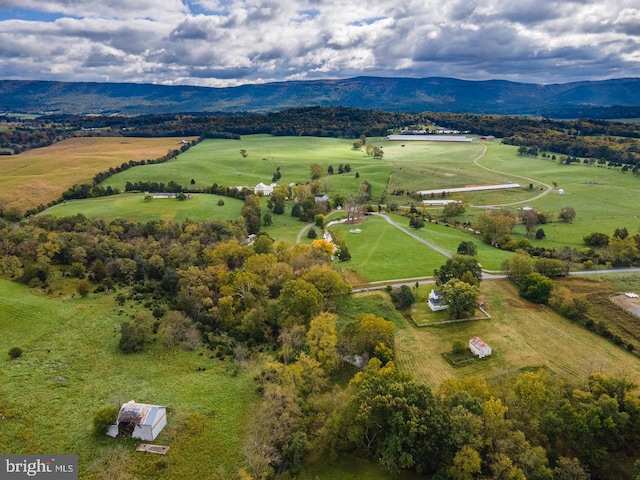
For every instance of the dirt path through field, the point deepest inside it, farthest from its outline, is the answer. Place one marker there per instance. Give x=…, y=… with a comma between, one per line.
x=475, y=162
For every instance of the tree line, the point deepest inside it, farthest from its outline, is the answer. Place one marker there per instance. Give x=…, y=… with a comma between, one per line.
x=600, y=139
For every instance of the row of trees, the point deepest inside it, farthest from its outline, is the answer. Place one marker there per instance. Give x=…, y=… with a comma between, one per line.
x=533, y=277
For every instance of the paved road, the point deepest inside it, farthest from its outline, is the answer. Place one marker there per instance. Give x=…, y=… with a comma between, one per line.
x=410, y=282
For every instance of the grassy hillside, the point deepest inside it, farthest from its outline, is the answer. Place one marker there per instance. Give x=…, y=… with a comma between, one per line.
x=132, y=206
x=604, y=199
x=41, y=175
x=71, y=367
x=382, y=252
x=219, y=161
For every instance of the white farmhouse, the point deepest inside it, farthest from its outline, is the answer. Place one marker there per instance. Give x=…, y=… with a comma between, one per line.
x=139, y=420
x=435, y=301
x=479, y=348
x=266, y=190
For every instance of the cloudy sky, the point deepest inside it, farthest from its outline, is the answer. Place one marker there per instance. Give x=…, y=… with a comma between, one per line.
x=231, y=42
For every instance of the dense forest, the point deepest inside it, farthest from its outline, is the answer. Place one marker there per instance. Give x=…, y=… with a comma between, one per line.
x=202, y=283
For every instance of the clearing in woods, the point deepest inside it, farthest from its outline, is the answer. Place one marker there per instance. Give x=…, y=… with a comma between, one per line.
x=41, y=175
x=521, y=335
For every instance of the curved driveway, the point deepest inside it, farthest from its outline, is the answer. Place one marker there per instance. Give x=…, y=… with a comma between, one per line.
x=414, y=236
x=531, y=180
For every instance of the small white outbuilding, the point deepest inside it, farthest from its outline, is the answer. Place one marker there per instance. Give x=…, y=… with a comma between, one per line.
x=139, y=420
x=479, y=348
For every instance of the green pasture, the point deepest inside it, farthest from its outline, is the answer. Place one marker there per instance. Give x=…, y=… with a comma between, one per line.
x=449, y=238
x=382, y=252
x=132, y=206
x=200, y=207
x=604, y=198
x=521, y=335
x=219, y=161
x=285, y=227
x=71, y=367
x=430, y=165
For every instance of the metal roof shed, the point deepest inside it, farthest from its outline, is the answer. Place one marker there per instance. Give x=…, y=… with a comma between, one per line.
x=139, y=420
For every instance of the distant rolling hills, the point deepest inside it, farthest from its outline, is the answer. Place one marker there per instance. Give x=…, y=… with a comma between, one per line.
x=598, y=99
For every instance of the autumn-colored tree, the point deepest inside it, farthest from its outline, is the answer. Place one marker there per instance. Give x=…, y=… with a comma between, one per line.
x=322, y=341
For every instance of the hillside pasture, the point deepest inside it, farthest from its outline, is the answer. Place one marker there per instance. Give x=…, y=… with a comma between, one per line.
x=133, y=207
x=219, y=161
x=521, y=335
x=41, y=175
x=201, y=207
x=449, y=238
x=71, y=367
x=604, y=198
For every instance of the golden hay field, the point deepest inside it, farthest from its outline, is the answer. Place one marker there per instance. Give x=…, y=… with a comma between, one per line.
x=41, y=175
x=521, y=334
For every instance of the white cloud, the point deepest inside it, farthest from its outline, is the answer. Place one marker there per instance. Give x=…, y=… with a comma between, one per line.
x=228, y=42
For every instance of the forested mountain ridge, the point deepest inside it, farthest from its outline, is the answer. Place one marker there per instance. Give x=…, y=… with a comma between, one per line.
x=614, y=98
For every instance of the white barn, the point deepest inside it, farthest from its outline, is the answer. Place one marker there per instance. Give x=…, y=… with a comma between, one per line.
x=139, y=420
x=479, y=348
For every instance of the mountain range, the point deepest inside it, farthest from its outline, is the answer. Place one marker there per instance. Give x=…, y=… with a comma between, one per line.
x=596, y=99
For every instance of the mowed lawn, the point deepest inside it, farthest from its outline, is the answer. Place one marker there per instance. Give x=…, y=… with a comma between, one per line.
x=521, y=334
x=450, y=238
x=382, y=252
x=71, y=367
x=132, y=206
x=41, y=175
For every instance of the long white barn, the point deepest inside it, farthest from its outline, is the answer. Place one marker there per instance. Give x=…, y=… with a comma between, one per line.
x=475, y=188
x=430, y=138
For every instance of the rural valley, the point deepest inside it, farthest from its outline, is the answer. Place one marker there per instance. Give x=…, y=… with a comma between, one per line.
x=299, y=291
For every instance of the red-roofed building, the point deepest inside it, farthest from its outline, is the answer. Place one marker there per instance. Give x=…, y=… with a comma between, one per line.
x=479, y=348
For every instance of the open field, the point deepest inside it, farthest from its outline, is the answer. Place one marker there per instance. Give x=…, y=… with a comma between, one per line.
x=449, y=238
x=604, y=199
x=219, y=161
x=71, y=367
x=41, y=175
x=521, y=335
x=132, y=206
x=416, y=166
x=382, y=252
x=201, y=207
